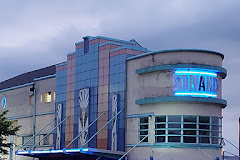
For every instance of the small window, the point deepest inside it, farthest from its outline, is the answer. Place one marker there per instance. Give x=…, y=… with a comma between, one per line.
x=189, y=139
x=160, y=132
x=160, y=139
x=26, y=139
x=204, y=140
x=54, y=95
x=41, y=98
x=204, y=119
x=48, y=97
x=215, y=120
x=86, y=45
x=174, y=132
x=46, y=140
x=192, y=126
x=160, y=119
x=190, y=119
x=178, y=125
x=174, y=118
x=189, y=132
x=174, y=139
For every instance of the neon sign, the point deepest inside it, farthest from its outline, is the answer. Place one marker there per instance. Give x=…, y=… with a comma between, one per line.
x=195, y=83
x=4, y=102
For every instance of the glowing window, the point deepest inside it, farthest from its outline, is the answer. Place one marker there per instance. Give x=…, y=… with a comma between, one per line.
x=54, y=95
x=41, y=98
x=48, y=97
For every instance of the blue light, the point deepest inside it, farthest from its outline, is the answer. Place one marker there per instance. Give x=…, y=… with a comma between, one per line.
x=73, y=150
x=195, y=72
x=195, y=82
x=195, y=94
x=84, y=149
x=4, y=102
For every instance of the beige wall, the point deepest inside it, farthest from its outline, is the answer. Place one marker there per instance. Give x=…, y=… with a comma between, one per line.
x=144, y=153
x=177, y=58
x=21, y=108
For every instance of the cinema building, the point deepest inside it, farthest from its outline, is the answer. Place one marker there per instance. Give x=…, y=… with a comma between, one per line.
x=114, y=99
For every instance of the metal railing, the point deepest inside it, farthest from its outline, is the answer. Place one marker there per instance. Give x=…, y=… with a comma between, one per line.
x=102, y=128
x=84, y=130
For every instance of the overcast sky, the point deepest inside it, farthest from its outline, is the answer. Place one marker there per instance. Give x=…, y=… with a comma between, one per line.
x=35, y=34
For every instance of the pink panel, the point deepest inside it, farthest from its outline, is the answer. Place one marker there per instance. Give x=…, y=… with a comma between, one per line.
x=101, y=54
x=106, y=80
x=122, y=51
x=100, y=81
x=100, y=98
x=100, y=63
x=101, y=48
x=106, y=71
x=113, y=46
x=101, y=72
x=103, y=41
x=79, y=46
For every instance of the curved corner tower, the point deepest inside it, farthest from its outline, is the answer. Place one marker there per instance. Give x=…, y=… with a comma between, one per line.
x=175, y=97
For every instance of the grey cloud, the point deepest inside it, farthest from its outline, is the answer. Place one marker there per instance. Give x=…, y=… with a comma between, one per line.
x=49, y=29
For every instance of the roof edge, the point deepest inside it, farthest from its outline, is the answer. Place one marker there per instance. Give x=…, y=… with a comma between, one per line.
x=177, y=50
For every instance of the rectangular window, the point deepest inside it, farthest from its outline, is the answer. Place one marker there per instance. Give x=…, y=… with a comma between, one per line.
x=204, y=140
x=143, y=128
x=160, y=126
x=160, y=132
x=174, y=118
x=189, y=139
x=86, y=45
x=189, y=132
x=204, y=133
x=41, y=98
x=175, y=132
x=192, y=126
x=48, y=97
x=204, y=126
x=178, y=125
x=160, y=119
x=46, y=140
x=204, y=119
x=174, y=139
x=54, y=95
x=190, y=119
x=215, y=120
x=25, y=139
x=160, y=139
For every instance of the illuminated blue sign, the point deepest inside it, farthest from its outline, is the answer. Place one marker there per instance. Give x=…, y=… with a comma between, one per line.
x=4, y=102
x=195, y=83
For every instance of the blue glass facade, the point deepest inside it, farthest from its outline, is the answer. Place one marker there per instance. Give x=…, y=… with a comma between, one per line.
x=86, y=76
x=98, y=65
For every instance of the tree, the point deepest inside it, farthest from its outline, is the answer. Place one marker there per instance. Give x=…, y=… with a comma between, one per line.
x=6, y=129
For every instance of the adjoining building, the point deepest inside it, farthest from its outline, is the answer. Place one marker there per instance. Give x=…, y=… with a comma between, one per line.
x=115, y=98
x=30, y=99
